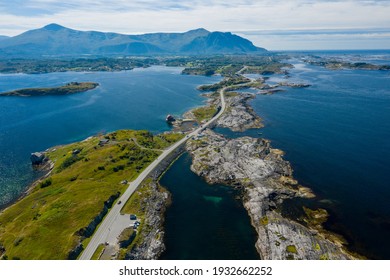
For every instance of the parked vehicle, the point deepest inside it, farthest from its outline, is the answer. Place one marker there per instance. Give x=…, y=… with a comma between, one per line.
x=133, y=217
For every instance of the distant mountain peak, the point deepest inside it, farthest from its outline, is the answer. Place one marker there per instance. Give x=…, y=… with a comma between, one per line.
x=57, y=40
x=53, y=27
x=199, y=30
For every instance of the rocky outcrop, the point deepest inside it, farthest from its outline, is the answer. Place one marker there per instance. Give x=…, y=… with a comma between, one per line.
x=150, y=243
x=170, y=119
x=37, y=158
x=89, y=230
x=75, y=252
x=239, y=116
x=126, y=237
x=266, y=180
x=293, y=85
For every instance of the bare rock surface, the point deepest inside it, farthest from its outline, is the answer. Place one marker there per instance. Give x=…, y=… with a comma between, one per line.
x=239, y=116
x=266, y=180
x=151, y=245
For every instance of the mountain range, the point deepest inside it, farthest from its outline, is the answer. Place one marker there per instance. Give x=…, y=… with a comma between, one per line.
x=57, y=40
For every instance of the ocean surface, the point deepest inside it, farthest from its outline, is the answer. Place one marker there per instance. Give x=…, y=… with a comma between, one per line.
x=137, y=99
x=335, y=134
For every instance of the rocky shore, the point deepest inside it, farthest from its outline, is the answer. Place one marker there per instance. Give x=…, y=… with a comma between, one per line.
x=150, y=245
x=266, y=181
x=239, y=115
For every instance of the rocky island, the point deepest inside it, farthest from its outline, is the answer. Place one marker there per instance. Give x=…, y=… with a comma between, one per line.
x=70, y=88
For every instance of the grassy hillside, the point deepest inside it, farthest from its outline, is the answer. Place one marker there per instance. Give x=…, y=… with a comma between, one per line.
x=205, y=113
x=44, y=224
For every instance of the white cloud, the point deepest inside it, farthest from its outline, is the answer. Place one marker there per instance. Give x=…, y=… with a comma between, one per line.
x=321, y=41
x=140, y=16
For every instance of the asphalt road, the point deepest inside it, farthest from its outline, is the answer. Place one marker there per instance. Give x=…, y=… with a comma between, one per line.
x=112, y=218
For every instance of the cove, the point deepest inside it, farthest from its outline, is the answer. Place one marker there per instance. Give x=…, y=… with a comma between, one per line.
x=205, y=222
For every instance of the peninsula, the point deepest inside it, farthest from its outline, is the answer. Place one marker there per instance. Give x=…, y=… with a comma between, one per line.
x=335, y=64
x=264, y=178
x=70, y=88
x=61, y=211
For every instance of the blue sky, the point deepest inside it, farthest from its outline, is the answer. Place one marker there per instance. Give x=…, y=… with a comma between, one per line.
x=273, y=24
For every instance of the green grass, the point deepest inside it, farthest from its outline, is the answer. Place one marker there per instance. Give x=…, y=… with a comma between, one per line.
x=264, y=220
x=127, y=236
x=231, y=94
x=160, y=141
x=227, y=82
x=270, y=68
x=291, y=249
x=204, y=113
x=134, y=204
x=324, y=257
x=98, y=252
x=43, y=224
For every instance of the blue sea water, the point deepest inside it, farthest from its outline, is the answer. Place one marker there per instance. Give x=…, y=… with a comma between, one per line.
x=336, y=136
x=205, y=222
x=137, y=99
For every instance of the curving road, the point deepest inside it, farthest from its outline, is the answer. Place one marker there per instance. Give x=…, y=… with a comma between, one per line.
x=112, y=219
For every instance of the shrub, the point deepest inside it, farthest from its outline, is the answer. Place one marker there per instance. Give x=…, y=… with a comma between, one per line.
x=119, y=167
x=46, y=183
x=68, y=162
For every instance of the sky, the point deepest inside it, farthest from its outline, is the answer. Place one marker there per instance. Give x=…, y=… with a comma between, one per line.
x=273, y=24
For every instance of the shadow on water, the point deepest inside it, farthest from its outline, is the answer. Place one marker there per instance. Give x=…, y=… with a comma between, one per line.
x=205, y=221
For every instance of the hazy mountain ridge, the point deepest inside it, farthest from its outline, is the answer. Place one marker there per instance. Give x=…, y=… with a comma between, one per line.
x=56, y=40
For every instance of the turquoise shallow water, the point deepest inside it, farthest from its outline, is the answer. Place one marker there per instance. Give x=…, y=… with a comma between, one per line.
x=138, y=99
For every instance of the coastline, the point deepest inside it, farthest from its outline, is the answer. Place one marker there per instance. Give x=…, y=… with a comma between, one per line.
x=253, y=121
x=210, y=165
x=68, y=181
x=46, y=169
